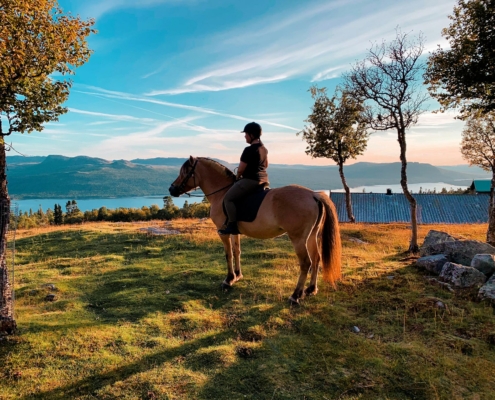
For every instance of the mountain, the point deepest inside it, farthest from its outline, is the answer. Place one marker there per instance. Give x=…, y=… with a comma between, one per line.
x=58, y=176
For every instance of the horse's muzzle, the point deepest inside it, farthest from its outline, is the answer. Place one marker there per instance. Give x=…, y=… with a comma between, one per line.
x=174, y=191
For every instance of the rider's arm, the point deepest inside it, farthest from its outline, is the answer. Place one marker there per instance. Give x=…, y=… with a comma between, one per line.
x=241, y=168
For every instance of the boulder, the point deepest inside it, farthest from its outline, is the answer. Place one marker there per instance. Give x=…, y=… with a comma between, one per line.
x=484, y=263
x=434, y=238
x=462, y=276
x=461, y=251
x=487, y=291
x=432, y=263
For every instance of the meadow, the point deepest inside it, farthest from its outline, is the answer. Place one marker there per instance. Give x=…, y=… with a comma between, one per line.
x=143, y=317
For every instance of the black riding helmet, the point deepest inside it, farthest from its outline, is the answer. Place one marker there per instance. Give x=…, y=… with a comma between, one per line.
x=253, y=130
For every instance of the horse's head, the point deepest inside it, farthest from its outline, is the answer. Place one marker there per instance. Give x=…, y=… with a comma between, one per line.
x=186, y=181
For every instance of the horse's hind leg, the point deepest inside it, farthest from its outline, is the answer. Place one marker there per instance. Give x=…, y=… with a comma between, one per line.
x=312, y=289
x=304, y=264
x=236, y=246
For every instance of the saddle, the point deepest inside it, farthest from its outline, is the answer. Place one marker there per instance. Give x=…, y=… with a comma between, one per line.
x=247, y=207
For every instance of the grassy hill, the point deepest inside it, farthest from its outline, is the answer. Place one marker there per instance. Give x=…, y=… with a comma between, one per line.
x=143, y=317
x=86, y=177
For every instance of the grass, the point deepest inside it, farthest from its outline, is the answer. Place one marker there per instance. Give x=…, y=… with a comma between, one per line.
x=143, y=317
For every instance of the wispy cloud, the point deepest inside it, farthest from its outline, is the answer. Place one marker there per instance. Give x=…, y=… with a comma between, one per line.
x=129, y=97
x=97, y=8
x=317, y=39
x=115, y=117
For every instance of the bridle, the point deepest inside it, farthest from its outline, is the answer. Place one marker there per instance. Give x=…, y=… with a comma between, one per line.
x=182, y=185
x=190, y=173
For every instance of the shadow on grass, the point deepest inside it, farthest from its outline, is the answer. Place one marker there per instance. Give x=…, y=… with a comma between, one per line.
x=310, y=352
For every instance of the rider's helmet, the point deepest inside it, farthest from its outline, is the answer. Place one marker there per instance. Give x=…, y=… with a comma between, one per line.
x=253, y=130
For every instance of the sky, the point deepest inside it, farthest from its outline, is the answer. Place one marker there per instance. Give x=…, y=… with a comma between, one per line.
x=173, y=78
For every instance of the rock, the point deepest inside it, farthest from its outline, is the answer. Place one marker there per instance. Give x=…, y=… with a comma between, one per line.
x=462, y=276
x=432, y=263
x=487, y=291
x=484, y=263
x=355, y=329
x=461, y=251
x=434, y=238
x=391, y=277
x=50, y=286
x=50, y=297
x=439, y=304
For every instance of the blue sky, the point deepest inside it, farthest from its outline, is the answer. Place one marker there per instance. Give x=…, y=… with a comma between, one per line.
x=173, y=78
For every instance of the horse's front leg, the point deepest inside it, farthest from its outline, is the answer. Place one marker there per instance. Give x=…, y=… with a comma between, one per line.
x=231, y=277
x=236, y=245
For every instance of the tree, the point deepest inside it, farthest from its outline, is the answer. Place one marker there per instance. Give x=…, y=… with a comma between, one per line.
x=170, y=210
x=388, y=80
x=336, y=131
x=478, y=148
x=58, y=216
x=36, y=41
x=72, y=207
x=102, y=214
x=464, y=75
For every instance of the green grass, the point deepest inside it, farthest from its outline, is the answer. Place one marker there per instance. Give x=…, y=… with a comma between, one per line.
x=143, y=317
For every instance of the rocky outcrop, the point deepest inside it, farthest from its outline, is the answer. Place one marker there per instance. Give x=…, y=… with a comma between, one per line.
x=432, y=263
x=460, y=263
x=461, y=276
x=487, y=291
x=484, y=263
x=432, y=239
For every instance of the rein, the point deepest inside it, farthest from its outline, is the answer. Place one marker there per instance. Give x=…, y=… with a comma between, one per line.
x=191, y=174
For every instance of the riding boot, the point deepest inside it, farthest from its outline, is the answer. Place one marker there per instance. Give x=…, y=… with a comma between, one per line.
x=230, y=229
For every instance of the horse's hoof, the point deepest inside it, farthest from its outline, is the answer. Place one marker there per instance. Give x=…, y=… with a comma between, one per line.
x=226, y=286
x=293, y=301
x=238, y=277
x=311, y=291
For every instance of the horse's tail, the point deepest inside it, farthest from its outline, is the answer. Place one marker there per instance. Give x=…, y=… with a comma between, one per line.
x=331, y=246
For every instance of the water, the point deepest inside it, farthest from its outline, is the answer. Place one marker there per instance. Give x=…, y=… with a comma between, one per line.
x=90, y=204
x=413, y=187
x=138, y=202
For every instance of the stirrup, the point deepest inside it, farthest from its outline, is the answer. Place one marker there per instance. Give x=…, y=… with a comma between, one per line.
x=230, y=229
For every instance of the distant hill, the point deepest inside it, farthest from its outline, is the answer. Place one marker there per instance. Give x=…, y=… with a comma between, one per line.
x=58, y=176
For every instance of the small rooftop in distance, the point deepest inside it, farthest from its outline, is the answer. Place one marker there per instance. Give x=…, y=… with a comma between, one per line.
x=481, y=185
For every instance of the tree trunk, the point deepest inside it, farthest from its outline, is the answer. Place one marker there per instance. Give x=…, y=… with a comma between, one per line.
x=490, y=234
x=7, y=322
x=413, y=245
x=348, y=203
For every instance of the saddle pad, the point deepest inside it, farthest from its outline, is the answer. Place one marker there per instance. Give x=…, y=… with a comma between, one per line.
x=247, y=208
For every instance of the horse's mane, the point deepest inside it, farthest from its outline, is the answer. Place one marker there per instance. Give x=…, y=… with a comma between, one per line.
x=226, y=170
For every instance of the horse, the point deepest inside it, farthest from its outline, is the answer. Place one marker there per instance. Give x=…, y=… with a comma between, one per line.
x=309, y=218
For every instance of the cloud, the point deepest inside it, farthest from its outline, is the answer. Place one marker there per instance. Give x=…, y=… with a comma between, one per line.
x=97, y=8
x=115, y=117
x=317, y=39
x=130, y=97
x=221, y=85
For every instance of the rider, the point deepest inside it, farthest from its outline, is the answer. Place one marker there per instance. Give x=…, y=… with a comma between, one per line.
x=252, y=169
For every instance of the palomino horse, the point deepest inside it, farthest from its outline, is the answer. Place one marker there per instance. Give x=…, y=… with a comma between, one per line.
x=309, y=219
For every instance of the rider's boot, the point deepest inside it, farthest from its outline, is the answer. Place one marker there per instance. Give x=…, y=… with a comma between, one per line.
x=230, y=229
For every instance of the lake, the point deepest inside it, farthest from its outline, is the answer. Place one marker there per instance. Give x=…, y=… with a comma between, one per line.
x=90, y=204
x=138, y=202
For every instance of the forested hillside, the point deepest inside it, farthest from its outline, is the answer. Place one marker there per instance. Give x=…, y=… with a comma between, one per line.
x=86, y=177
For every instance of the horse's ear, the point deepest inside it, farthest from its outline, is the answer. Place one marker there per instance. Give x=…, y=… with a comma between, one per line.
x=191, y=160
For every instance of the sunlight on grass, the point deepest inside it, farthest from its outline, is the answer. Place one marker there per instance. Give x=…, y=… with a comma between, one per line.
x=140, y=316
